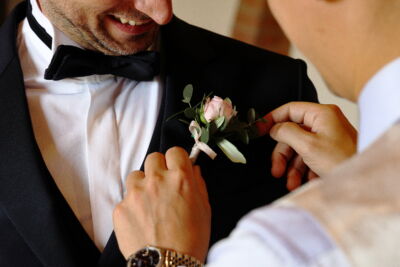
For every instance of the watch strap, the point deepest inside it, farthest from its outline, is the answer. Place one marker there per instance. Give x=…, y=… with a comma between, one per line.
x=175, y=259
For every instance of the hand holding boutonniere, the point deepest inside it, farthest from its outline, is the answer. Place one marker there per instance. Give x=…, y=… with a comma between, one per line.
x=214, y=121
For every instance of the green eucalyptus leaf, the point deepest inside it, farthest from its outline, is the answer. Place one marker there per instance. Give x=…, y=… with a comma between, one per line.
x=220, y=121
x=190, y=113
x=244, y=136
x=205, y=135
x=251, y=116
x=231, y=151
x=187, y=93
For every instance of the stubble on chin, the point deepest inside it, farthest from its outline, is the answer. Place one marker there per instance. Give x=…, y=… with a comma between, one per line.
x=108, y=45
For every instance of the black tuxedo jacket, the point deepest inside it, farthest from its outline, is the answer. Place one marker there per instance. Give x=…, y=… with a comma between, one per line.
x=37, y=227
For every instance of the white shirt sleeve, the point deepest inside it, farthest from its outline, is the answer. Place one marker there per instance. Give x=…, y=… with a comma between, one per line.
x=277, y=236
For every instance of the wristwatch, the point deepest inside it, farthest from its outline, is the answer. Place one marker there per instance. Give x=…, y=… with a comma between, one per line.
x=151, y=256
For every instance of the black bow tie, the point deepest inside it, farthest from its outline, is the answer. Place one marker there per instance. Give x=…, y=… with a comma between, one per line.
x=71, y=62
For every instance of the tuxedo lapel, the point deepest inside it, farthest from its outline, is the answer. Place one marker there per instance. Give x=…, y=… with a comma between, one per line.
x=186, y=55
x=28, y=193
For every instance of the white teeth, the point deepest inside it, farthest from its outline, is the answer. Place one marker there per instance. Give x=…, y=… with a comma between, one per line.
x=130, y=22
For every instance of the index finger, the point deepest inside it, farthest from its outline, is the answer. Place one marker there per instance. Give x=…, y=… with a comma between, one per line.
x=298, y=112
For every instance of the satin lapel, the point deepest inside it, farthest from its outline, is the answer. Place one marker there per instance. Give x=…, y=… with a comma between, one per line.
x=184, y=56
x=28, y=193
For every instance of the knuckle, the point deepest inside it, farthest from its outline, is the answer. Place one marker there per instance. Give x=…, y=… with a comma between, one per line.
x=118, y=211
x=180, y=175
x=152, y=187
x=333, y=109
x=156, y=176
x=180, y=179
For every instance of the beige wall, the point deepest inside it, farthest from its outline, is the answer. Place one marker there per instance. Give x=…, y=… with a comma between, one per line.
x=219, y=16
x=215, y=15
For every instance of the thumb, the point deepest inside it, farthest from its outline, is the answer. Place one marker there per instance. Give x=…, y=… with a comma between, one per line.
x=293, y=135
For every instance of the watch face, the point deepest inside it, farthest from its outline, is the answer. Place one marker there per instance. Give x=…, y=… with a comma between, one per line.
x=147, y=257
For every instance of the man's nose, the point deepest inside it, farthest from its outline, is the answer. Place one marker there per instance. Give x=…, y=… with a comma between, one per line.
x=159, y=10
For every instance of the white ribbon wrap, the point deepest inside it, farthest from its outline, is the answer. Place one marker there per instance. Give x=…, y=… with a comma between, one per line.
x=196, y=132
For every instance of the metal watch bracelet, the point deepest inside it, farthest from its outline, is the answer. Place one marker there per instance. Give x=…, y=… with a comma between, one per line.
x=175, y=259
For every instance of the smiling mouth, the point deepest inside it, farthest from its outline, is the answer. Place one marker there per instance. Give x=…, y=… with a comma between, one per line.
x=130, y=22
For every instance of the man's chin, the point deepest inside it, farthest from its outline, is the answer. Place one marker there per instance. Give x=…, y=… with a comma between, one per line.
x=132, y=45
x=127, y=48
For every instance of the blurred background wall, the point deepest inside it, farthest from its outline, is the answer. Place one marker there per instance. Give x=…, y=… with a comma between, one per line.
x=246, y=20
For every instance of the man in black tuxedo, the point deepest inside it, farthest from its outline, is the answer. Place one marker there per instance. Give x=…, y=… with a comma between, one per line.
x=38, y=225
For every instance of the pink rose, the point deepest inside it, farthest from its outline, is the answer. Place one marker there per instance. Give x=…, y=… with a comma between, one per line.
x=218, y=107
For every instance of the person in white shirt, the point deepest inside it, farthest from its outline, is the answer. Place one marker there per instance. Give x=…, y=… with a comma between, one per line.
x=349, y=217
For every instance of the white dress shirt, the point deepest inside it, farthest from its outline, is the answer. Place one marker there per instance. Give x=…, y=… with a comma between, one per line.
x=280, y=235
x=91, y=131
x=379, y=104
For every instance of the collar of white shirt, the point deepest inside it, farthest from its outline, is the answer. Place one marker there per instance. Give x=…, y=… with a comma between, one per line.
x=58, y=37
x=379, y=104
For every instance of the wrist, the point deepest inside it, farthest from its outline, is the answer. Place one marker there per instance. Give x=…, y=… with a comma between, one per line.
x=151, y=256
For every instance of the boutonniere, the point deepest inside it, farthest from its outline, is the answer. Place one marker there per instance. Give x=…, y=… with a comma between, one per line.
x=214, y=121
